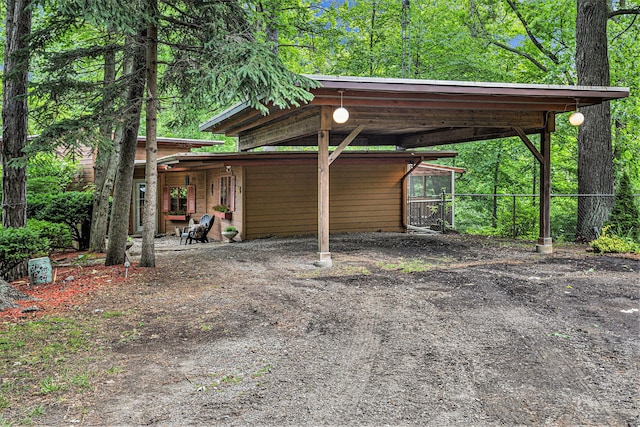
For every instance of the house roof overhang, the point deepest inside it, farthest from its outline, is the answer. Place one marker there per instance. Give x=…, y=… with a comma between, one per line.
x=429, y=169
x=195, y=161
x=409, y=113
x=184, y=143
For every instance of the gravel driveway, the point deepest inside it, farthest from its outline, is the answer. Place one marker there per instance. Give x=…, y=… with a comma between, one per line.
x=403, y=330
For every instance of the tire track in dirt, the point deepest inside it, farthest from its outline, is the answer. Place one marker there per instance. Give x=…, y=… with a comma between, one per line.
x=255, y=335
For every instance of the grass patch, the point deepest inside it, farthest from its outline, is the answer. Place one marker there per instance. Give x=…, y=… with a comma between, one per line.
x=129, y=335
x=49, y=385
x=33, y=412
x=114, y=370
x=263, y=371
x=81, y=381
x=4, y=402
x=43, y=361
x=112, y=314
x=406, y=266
x=355, y=271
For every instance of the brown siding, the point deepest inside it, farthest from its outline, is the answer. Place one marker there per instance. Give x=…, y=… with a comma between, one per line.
x=206, y=189
x=197, y=180
x=282, y=200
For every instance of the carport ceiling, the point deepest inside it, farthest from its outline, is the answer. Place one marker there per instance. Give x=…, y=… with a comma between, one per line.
x=409, y=113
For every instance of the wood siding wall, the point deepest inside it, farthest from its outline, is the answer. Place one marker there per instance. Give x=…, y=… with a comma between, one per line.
x=206, y=189
x=198, y=179
x=282, y=200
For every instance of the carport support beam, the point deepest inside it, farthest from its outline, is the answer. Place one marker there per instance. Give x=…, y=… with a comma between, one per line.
x=545, y=244
x=324, y=256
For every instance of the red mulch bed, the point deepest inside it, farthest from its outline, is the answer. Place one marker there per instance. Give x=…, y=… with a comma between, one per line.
x=72, y=281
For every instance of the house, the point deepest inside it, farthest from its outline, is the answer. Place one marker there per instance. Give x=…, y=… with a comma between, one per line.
x=166, y=146
x=274, y=193
x=404, y=114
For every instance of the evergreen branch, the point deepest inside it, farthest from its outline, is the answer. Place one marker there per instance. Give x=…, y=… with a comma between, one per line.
x=185, y=24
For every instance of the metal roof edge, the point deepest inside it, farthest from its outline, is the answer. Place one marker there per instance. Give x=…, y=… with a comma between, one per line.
x=224, y=115
x=460, y=83
x=186, y=141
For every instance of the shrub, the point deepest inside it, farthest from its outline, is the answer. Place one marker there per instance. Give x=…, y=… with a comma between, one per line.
x=18, y=245
x=72, y=208
x=59, y=235
x=611, y=243
x=48, y=173
x=625, y=214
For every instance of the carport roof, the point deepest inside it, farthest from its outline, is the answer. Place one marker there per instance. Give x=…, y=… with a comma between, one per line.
x=409, y=113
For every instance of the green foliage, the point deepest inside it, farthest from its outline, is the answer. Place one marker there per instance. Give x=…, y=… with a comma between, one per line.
x=72, y=208
x=48, y=173
x=58, y=235
x=612, y=243
x=625, y=214
x=18, y=245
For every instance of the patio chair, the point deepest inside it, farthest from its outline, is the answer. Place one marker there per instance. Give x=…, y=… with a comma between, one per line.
x=199, y=233
x=184, y=234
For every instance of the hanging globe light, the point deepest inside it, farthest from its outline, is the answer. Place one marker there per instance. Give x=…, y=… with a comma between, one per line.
x=576, y=118
x=341, y=114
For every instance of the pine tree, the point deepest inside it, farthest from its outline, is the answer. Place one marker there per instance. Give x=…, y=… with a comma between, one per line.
x=625, y=216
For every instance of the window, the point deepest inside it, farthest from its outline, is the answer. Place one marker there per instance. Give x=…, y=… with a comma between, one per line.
x=227, y=193
x=179, y=200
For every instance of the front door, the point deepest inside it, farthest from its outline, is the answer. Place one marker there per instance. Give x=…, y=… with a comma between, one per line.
x=139, y=191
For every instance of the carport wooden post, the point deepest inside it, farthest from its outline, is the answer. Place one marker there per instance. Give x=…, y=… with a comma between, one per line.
x=324, y=256
x=545, y=244
x=543, y=156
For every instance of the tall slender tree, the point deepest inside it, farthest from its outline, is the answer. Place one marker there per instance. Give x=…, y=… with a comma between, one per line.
x=14, y=113
x=147, y=257
x=14, y=119
x=107, y=156
x=119, y=224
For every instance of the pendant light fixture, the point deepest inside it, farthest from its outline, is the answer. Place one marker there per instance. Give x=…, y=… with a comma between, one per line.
x=341, y=115
x=576, y=118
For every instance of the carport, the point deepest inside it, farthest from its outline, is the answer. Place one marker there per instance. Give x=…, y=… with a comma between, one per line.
x=411, y=114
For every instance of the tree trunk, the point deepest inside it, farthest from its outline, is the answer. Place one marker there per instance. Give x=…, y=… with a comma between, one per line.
x=119, y=224
x=14, y=119
x=595, y=155
x=147, y=256
x=269, y=15
x=14, y=112
x=106, y=162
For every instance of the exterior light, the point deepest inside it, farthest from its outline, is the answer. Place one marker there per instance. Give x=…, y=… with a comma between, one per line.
x=341, y=115
x=576, y=118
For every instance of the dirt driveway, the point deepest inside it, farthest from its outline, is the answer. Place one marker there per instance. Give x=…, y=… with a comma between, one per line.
x=403, y=330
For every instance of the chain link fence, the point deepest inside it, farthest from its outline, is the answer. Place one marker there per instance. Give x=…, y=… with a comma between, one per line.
x=508, y=215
